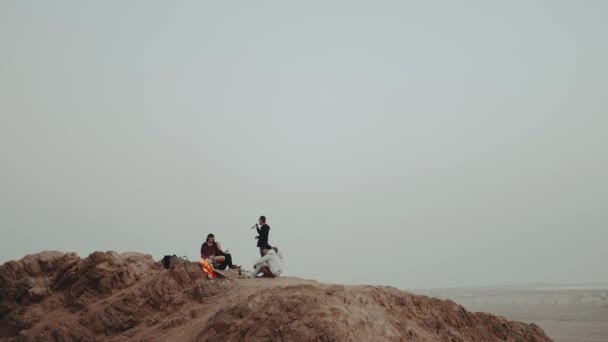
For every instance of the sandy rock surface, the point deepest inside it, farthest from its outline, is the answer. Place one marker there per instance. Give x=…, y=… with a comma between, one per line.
x=55, y=296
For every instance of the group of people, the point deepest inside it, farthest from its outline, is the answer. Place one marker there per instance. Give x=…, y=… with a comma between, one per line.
x=269, y=265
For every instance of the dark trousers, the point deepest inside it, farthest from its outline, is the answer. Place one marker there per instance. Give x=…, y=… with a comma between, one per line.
x=262, y=251
x=226, y=263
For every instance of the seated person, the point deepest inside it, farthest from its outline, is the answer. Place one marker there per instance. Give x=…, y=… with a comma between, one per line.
x=212, y=251
x=270, y=264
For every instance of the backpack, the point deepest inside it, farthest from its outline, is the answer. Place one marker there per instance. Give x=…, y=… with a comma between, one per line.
x=167, y=261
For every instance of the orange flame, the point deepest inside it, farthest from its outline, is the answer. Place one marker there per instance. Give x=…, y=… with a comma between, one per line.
x=208, y=269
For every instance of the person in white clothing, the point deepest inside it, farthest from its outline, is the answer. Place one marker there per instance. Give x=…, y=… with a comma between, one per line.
x=270, y=264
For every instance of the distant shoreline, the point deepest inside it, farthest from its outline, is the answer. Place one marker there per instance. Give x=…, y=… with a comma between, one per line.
x=525, y=287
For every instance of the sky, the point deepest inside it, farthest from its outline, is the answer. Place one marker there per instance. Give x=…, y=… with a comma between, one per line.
x=415, y=144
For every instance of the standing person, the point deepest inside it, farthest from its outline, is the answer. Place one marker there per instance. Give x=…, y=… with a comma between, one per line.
x=270, y=264
x=263, y=231
x=212, y=249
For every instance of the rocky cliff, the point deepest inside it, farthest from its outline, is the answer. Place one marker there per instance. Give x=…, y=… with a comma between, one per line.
x=55, y=296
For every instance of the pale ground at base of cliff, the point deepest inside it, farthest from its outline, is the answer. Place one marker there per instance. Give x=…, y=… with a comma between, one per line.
x=566, y=313
x=563, y=323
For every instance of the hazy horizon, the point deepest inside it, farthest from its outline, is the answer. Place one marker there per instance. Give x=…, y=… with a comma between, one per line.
x=417, y=145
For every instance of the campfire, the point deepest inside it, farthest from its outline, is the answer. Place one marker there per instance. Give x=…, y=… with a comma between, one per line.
x=208, y=269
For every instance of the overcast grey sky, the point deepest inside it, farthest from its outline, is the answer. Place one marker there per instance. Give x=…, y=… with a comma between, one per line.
x=413, y=144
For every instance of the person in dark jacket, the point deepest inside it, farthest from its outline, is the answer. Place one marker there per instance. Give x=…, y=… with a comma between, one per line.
x=263, y=231
x=212, y=249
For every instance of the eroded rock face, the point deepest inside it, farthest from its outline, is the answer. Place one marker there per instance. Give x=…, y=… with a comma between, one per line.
x=339, y=313
x=102, y=295
x=54, y=296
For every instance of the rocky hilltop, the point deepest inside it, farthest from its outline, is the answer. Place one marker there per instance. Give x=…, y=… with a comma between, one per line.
x=55, y=296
